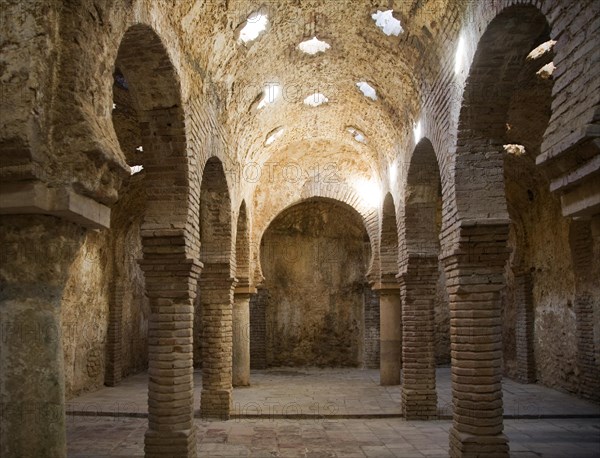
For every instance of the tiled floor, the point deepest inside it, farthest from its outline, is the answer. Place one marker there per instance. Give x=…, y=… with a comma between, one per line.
x=99, y=437
x=333, y=413
x=344, y=393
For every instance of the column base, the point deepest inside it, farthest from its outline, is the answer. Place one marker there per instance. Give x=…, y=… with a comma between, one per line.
x=240, y=382
x=158, y=444
x=465, y=445
x=216, y=404
x=419, y=404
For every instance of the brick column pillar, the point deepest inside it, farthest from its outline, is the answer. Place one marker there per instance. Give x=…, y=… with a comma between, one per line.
x=36, y=254
x=258, y=328
x=390, y=329
x=586, y=287
x=371, y=335
x=417, y=288
x=113, y=373
x=241, y=335
x=171, y=289
x=475, y=279
x=216, y=295
x=524, y=328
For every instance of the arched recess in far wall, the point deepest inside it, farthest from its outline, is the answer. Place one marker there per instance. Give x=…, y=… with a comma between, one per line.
x=314, y=256
x=336, y=191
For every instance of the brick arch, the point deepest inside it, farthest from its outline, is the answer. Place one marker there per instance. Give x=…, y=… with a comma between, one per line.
x=389, y=238
x=155, y=86
x=242, y=246
x=419, y=226
x=499, y=57
x=215, y=217
x=309, y=199
x=342, y=193
x=346, y=194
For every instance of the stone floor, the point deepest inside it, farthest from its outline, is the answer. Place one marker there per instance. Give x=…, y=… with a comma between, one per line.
x=331, y=413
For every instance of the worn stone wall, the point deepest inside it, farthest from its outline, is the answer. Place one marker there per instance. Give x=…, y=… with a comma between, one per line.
x=106, y=260
x=128, y=276
x=84, y=315
x=314, y=262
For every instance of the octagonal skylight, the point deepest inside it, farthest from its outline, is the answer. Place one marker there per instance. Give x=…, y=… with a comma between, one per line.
x=270, y=95
x=255, y=25
x=367, y=90
x=316, y=99
x=274, y=135
x=358, y=135
x=541, y=50
x=313, y=46
x=386, y=21
x=136, y=169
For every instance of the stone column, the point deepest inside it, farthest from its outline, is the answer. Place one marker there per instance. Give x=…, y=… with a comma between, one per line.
x=36, y=253
x=524, y=328
x=171, y=288
x=241, y=335
x=390, y=310
x=417, y=289
x=475, y=278
x=216, y=295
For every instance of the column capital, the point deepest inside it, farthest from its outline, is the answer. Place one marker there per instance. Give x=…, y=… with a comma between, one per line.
x=170, y=265
x=36, y=197
x=387, y=282
x=241, y=290
x=480, y=242
x=217, y=276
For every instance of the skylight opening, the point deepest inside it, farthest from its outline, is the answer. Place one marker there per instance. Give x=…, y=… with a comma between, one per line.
x=274, y=135
x=270, y=95
x=386, y=21
x=418, y=131
x=255, y=25
x=541, y=50
x=367, y=90
x=136, y=169
x=357, y=135
x=313, y=46
x=546, y=71
x=461, y=54
x=515, y=150
x=316, y=99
